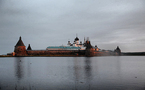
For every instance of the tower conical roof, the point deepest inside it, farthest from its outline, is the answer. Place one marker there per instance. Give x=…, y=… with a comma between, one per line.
x=29, y=47
x=20, y=42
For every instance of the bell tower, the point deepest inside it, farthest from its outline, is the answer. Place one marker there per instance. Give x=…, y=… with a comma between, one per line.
x=89, y=49
x=20, y=49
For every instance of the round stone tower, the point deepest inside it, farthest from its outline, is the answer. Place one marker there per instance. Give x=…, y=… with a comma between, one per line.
x=20, y=49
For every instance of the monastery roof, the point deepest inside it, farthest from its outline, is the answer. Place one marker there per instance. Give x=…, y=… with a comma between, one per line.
x=20, y=42
x=62, y=47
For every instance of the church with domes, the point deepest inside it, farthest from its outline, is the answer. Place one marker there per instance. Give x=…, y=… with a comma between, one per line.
x=76, y=43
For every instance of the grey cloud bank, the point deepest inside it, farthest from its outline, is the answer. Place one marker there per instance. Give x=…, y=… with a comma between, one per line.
x=108, y=23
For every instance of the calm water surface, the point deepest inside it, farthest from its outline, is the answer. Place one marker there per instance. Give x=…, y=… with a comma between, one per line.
x=73, y=73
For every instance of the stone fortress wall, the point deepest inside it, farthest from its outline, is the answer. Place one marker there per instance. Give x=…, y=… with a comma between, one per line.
x=54, y=52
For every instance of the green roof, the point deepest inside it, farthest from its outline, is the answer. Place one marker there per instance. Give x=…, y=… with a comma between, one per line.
x=63, y=47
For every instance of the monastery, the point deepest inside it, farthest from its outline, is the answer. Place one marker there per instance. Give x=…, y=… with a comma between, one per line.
x=72, y=49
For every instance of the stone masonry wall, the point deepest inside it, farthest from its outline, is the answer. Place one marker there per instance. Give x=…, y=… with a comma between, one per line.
x=20, y=51
x=54, y=52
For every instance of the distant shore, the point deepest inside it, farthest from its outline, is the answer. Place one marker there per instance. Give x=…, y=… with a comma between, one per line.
x=6, y=56
x=44, y=56
x=133, y=53
x=122, y=54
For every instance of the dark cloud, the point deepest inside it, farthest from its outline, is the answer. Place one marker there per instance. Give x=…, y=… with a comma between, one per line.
x=53, y=22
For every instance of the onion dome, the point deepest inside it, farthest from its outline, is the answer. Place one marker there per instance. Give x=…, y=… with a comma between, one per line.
x=76, y=38
x=20, y=42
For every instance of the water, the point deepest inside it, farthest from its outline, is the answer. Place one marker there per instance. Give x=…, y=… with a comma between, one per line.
x=72, y=73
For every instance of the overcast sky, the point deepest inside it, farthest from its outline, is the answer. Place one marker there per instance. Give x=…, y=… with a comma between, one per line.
x=42, y=23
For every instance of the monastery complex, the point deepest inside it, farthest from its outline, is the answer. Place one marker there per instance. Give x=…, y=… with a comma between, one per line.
x=72, y=49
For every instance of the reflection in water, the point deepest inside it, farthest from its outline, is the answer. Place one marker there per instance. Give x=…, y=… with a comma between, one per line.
x=76, y=72
x=19, y=68
x=88, y=70
x=29, y=67
x=88, y=67
x=76, y=69
x=84, y=73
